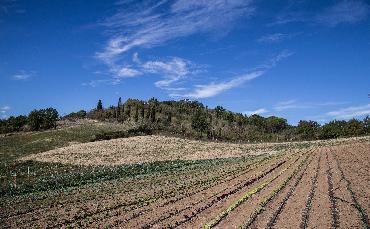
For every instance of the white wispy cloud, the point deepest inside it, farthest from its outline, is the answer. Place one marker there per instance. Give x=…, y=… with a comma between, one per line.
x=340, y=12
x=172, y=71
x=276, y=59
x=135, y=58
x=258, y=111
x=153, y=23
x=133, y=27
x=3, y=111
x=350, y=112
x=212, y=89
x=275, y=37
x=346, y=11
x=23, y=75
x=5, y=108
x=96, y=83
x=295, y=104
x=289, y=104
x=127, y=72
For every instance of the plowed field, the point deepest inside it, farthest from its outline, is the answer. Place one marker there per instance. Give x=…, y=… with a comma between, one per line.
x=313, y=187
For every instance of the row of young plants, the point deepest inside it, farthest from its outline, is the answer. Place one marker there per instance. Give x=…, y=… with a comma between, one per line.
x=201, y=166
x=40, y=195
x=216, y=196
x=262, y=206
x=148, y=201
x=173, y=196
x=185, y=192
x=58, y=176
x=361, y=211
x=174, y=200
x=179, y=211
x=333, y=201
x=308, y=205
x=183, y=168
x=171, y=193
x=246, y=196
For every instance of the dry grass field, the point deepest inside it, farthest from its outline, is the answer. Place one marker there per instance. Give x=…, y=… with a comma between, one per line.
x=320, y=184
x=144, y=149
x=152, y=148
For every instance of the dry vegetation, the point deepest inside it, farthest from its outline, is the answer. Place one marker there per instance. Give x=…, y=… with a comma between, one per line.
x=141, y=149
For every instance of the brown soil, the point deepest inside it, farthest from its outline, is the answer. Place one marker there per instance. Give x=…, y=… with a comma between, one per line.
x=289, y=203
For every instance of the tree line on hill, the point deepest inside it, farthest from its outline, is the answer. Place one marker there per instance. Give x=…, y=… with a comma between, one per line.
x=194, y=120
x=42, y=119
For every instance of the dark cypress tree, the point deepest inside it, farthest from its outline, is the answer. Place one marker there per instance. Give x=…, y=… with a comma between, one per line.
x=119, y=107
x=128, y=111
x=152, y=114
x=100, y=105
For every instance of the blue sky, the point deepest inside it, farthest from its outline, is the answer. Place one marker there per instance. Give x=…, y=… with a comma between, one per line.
x=298, y=59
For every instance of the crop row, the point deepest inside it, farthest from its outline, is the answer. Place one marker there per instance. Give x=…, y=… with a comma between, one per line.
x=65, y=192
x=163, y=195
x=46, y=205
x=138, y=203
x=245, y=197
x=221, y=195
x=361, y=211
x=289, y=194
x=308, y=206
x=275, y=192
x=178, y=211
x=334, y=208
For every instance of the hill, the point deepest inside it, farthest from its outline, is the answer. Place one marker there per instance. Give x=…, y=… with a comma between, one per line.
x=190, y=119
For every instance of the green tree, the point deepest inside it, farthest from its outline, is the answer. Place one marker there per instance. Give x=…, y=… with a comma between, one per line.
x=100, y=105
x=3, y=126
x=308, y=129
x=153, y=106
x=16, y=123
x=275, y=124
x=49, y=118
x=43, y=119
x=219, y=111
x=354, y=127
x=76, y=115
x=366, y=123
x=35, y=120
x=257, y=120
x=333, y=129
x=199, y=122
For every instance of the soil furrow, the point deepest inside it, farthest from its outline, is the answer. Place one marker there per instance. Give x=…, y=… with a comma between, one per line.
x=306, y=211
x=334, y=208
x=348, y=209
x=240, y=210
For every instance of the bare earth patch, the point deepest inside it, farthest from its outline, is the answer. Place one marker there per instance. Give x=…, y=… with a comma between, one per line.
x=141, y=149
